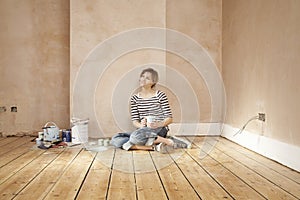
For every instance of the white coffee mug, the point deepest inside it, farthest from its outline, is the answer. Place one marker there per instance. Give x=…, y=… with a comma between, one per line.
x=150, y=119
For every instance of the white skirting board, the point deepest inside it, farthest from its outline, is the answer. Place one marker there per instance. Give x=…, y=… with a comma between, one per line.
x=286, y=154
x=195, y=129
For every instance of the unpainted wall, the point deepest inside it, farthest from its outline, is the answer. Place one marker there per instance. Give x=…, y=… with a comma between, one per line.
x=34, y=65
x=261, y=66
x=96, y=22
x=202, y=22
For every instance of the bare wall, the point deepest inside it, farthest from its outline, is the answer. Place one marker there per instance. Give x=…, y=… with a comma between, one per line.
x=261, y=66
x=202, y=22
x=34, y=64
x=96, y=22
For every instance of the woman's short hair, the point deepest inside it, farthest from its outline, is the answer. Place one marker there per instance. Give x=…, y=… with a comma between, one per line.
x=154, y=75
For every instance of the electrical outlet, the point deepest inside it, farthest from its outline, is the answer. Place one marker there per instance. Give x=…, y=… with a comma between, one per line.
x=14, y=109
x=262, y=117
x=2, y=109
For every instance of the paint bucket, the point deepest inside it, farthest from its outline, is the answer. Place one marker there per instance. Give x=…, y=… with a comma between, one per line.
x=100, y=142
x=66, y=135
x=80, y=130
x=106, y=142
x=38, y=141
x=41, y=135
x=51, y=132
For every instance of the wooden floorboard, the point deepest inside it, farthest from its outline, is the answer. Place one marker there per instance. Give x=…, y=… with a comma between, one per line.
x=263, y=186
x=175, y=183
x=214, y=168
x=199, y=179
x=12, y=143
x=13, y=167
x=95, y=186
x=274, y=166
x=71, y=180
x=229, y=181
x=46, y=180
x=7, y=141
x=148, y=183
x=122, y=182
x=264, y=171
x=12, y=186
x=15, y=153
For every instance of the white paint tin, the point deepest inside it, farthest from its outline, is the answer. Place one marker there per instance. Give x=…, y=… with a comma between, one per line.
x=41, y=135
x=100, y=142
x=106, y=142
x=38, y=141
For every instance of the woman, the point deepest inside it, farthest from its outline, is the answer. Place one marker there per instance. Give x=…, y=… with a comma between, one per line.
x=151, y=115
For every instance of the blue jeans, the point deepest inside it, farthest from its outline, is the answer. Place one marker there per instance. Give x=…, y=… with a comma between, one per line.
x=120, y=139
x=140, y=136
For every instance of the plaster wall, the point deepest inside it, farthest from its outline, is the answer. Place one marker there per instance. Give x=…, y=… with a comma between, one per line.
x=201, y=21
x=95, y=22
x=34, y=59
x=92, y=23
x=261, y=66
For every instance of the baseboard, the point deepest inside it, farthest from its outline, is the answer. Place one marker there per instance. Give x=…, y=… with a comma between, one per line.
x=201, y=129
x=286, y=154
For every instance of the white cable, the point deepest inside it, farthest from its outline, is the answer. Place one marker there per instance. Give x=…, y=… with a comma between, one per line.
x=241, y=130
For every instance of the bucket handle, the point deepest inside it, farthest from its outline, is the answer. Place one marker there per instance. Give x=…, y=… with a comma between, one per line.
x=46, y=125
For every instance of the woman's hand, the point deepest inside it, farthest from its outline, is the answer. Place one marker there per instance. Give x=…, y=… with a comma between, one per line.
x=155, y=124
x=143, y=122
x=140, y=124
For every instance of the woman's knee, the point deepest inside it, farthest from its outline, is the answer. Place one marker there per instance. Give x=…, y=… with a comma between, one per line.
x=119, y=139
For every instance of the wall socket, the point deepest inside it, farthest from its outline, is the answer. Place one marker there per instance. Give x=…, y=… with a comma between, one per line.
x=262, y=117
x=2, y=109
x=14, y=109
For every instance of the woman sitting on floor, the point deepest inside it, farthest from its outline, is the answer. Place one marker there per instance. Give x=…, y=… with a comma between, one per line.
x=151, y=115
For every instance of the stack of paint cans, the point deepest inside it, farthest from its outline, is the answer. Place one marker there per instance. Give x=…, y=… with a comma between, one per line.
x=103, y=142
x=40, y=138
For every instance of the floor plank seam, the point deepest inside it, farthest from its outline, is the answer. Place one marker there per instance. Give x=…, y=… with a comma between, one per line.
x=234, y=174
x=211, y=176
x=62, y=172
x=214, y=168
x=238, y=176
x=15, y=195
x=160, y=179
x=207, y=153
x=110, y=174
x=134, y=177
x=254, y=171
x=13, y=140
x=22, y=167
x=207, y=172
x=8, y=150
x=263, y=163
x=85, y=176
x=15, y=158
x=185, y=175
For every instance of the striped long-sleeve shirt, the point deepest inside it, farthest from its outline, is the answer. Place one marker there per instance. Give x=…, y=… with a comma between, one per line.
x=157, y=106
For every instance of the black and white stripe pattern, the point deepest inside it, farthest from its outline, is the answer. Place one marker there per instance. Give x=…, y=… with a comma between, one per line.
x=157, y=106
